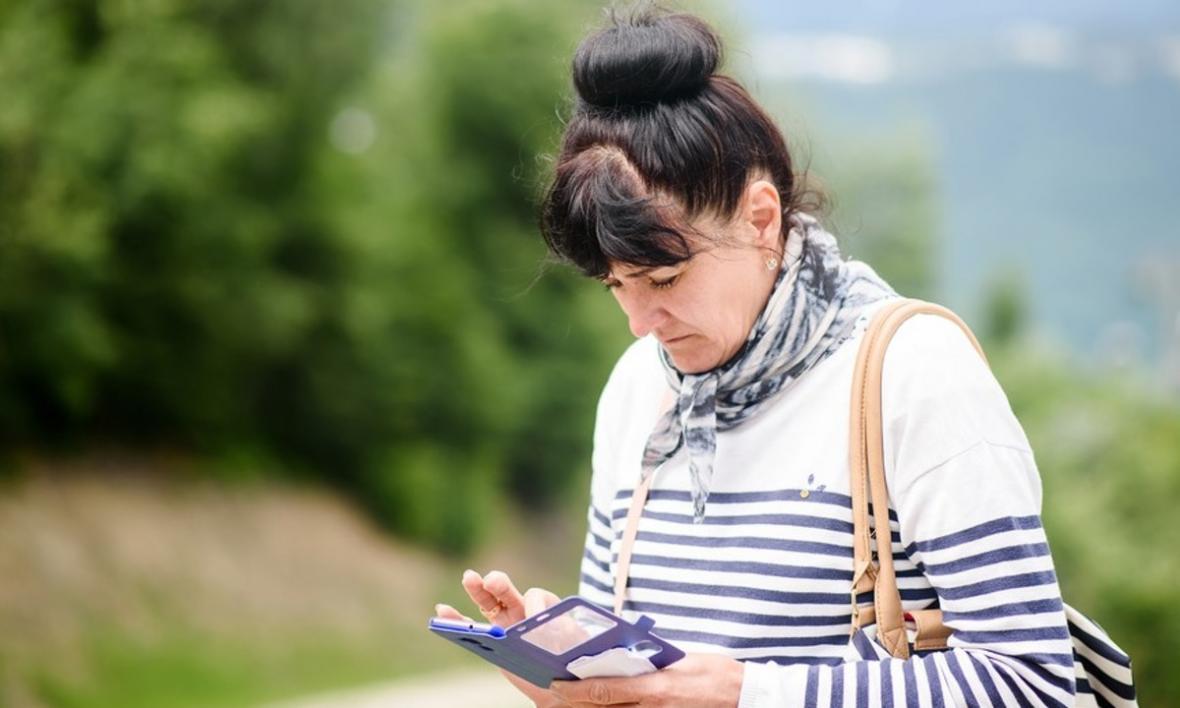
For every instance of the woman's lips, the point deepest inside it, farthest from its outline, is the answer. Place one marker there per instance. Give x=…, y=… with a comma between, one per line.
x=673, y=340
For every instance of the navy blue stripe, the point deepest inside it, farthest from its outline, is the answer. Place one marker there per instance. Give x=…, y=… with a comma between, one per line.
x=933, y=680
x=1037, y=663
x=1007, y=582
x=837, y=686
x=1100, y=677
x=597, y=585
x=599, y=516
x=1012, y=609
x=599, y=541
x=985, y=678
x=1040, y=671
x=818, y=598
x=1099, y=646
x=999, y=555
x=802, y=520
x=1005, y=673
x=872, y=516
x=914, y=594
x=862, y=684
x=1044, y=659
x=773, y=495
x=724, y=640
x=799, y=520
x=601, y=565
x=911, y=683
x=813, y=496
x=886, y=683
x=952, y=663
x=974, y=533
x=774, y=544
x=811, y=693
x=863, y=646
x=814, y=598
x=803, y=660
x=773, y=570
x=1027, y=634
x=841, y=620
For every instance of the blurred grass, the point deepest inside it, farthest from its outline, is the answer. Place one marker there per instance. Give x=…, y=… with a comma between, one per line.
x=190, y=669
x=131, y=590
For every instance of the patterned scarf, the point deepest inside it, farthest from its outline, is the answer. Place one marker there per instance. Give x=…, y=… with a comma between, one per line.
x=813, y=309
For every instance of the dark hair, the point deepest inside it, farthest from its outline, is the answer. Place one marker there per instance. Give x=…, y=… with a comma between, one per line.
x=655, y=126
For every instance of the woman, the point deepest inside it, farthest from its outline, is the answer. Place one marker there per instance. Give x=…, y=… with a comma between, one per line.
x=676, y=190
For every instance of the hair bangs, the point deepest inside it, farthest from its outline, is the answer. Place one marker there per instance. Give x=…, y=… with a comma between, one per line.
x=599, y=212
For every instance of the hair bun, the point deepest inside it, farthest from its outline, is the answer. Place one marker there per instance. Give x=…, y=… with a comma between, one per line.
x=646, y=58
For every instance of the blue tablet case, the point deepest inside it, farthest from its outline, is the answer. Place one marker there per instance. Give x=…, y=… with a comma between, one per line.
x=521, y=651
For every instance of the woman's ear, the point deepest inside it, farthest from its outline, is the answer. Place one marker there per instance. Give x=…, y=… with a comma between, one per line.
x=764, y=211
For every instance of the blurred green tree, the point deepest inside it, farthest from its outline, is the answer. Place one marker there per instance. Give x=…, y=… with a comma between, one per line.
x=1005, y=308
x=1106, y=449
x=299, y=233
x=885, y=207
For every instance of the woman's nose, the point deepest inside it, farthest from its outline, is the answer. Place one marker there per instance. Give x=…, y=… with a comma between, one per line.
x=642, y=315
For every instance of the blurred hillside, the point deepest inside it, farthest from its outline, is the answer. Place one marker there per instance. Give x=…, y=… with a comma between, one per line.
x=1052, y=147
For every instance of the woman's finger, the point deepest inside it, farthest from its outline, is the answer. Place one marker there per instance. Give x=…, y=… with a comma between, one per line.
x=447, y=612
x=501, y=588
x=473, y=584
x=489, y=604
x=538, y=600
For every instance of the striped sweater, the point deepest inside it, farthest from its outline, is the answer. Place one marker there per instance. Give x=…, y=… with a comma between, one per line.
x=766, y=577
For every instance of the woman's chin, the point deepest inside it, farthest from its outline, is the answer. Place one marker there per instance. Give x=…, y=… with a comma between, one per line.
x=692, y=362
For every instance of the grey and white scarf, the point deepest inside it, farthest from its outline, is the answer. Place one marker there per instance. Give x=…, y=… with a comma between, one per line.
x=813, y=309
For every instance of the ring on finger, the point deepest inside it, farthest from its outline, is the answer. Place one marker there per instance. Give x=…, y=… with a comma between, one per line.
x=491, y=614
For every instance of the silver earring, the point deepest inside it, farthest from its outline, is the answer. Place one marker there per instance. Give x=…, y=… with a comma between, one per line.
x=771, y=263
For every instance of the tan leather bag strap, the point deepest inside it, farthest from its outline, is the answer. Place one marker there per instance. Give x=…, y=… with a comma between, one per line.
x=631, y=530
x=623, y=570
x=867, y=465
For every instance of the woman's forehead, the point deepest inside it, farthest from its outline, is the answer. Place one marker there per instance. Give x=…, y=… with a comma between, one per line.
x=632, y=270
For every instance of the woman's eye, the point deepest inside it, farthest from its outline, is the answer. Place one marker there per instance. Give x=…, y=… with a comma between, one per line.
x=664, y=284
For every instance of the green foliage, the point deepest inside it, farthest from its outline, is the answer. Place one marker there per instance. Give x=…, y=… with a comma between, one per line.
x=1106, y=449
x=198, y=250
x=1004, y=315
x=885, y=209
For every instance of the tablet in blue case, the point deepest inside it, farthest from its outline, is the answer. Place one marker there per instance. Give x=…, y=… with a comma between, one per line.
x=538, y=648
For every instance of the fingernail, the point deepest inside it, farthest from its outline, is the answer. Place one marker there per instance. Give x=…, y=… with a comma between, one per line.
x=438, y=609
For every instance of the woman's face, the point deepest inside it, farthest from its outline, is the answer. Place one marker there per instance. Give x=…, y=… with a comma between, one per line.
x=702, y=310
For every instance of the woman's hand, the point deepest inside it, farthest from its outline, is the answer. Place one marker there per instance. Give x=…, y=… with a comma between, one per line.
x=502, y=604
x=696, y=681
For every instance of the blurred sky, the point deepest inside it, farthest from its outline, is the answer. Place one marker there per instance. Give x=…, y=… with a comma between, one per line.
x=957, y=15
x=1052, y=128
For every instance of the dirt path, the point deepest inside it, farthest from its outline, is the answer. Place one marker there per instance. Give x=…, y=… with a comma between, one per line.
x=474, y=689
